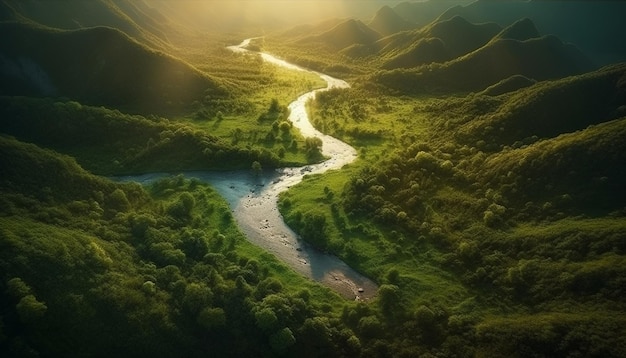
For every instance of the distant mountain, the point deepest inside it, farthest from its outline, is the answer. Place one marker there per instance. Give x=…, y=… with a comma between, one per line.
x=386, y=22
x=423, y=13
x=461, y=36
x=101, y=66
x=308, y=30
x=521, y=30
x=347, y=33
x=595, y=29
x=425, y=51
x=539, y=58
x=135, y=18
x=438, y=42
x=509, y=84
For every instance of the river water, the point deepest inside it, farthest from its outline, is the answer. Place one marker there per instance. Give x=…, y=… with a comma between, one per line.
x=253, y=199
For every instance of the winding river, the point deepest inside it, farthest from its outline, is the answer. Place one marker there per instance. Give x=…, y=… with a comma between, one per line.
x=253, y=199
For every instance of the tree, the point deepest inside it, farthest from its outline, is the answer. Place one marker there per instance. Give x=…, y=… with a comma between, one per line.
x=197, y=296
x=256, y=168
x=274, y=106
x=282, y=340
x=313, y=146
x=313, y=227
x=212, y=317
x=118, y=200
x=30, y=309
x=266, y=319
x=389, y=300
x=18, y=288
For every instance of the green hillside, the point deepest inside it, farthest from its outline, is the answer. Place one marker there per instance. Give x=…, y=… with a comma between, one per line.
x=538, y=58
x=91, y=267
x=110, y=142
x=521, y=30
x=461, y=36
x=135, y=18
x=509, y=249
x=487, y=200
x=100, y=66
x=423, y=52
x=547, y=109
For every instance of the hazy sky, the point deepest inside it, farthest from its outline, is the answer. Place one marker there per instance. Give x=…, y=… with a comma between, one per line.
x=224, y=12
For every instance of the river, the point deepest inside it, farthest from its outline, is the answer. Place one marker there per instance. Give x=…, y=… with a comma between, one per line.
x=253, y=199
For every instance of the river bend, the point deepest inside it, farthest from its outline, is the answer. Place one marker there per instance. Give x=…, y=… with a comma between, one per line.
x=254, y=199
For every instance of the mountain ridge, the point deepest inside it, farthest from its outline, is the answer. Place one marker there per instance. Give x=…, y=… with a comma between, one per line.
x=386, y=22
x=97, y=65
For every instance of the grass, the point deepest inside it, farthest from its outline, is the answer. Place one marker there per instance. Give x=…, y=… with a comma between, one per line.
x=260, y=84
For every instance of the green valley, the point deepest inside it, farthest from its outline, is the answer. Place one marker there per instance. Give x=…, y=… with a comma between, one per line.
x=486, y=200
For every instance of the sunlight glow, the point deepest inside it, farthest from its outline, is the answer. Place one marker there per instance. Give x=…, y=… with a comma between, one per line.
x=280, y=12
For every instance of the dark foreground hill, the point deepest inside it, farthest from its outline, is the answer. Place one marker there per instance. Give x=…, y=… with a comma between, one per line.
x=100, y=66
x=91, y=267
x=109, y=142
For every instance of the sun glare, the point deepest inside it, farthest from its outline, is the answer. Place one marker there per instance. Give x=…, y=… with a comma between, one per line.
x=285, y=12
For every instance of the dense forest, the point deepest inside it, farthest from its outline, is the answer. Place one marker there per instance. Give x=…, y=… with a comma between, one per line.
x=487, y=199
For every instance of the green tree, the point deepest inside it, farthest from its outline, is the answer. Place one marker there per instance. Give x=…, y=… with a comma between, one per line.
x=18, y=288
x=197, y=296
x=212, y=317
x=313, y=146
x=266, y=319
x=389, y=300
x=282, y=340
x=256, y=168
x=119, y=201
x=30, y=309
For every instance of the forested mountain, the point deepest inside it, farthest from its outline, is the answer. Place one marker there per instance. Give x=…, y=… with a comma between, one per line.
x=347, y=33
x=591, y=27
x=486, y=200
x=439, y=42
x=100, y=66
x=513, y=201
x=387, y=22
x=503, y=56
x=135, y=18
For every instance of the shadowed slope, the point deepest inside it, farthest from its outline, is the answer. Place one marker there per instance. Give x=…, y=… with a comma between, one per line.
x=438, y=42
x=134, y=18
x=521, y=30
x=550, y=108
x=98, y=66
x=386, y=22
x=540, y=59
x=581, y=171
x=460, y=36
x=345, y=34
